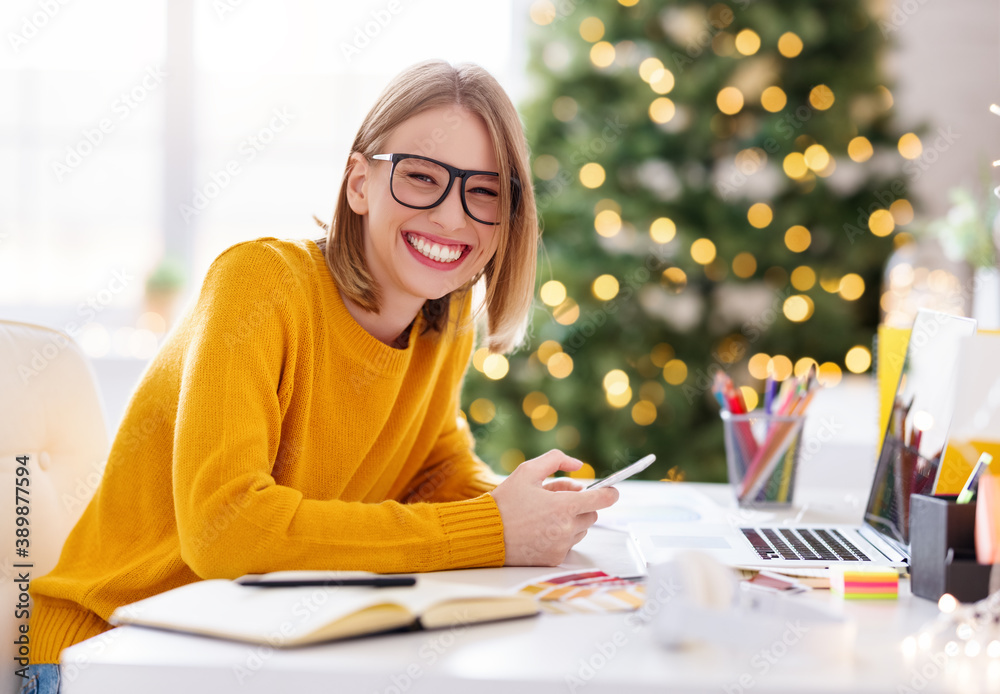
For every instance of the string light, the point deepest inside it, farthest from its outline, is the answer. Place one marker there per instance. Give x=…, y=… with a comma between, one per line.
x=644, y=413
x=860, y=149
x=560, y=365
x=750, y=397
x=744, y=265
x=795, y=165
x=565, y=108
x=542, y=12
x=858, y=359
x=730, y=100
x=482, y=410
x=910, y=146
x=901, y=211
x=547, y=349
x=797, y=238
x=747, y=42
x=605, y=287
x=567, y=312
x=773, y=99
x=852, y=286
x=662, y=110
x=675, y=372
x=757, y=365
x=553, y=292
x=789, y=44
x=607, y=223
x=803, y=278
x=881, y=223
x=662, y=230
x=591, y=29
x=817, y=158
x=495, y=366
x=759, y=215
x=532, y=401
x=821, y=97
x=674, y=279
x=592, y=175
x=780, y=367
x=703, y=251
x=602, y=54
x=649, y=68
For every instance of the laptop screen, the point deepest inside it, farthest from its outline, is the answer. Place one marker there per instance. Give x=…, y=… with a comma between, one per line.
x=917, y=433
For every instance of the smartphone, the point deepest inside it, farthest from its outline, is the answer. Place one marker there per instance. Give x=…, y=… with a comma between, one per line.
x=623, y=474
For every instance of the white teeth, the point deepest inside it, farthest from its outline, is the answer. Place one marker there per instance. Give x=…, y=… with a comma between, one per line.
x=434, y=251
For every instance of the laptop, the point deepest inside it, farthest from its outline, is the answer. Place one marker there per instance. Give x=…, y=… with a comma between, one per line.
x=909, y=462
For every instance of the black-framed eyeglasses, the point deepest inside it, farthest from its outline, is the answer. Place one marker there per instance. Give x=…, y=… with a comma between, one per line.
x=422, y=183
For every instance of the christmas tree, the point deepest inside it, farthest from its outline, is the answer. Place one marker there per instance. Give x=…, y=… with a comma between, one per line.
x=720, y=188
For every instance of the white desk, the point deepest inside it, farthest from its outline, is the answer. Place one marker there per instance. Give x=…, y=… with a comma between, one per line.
x=568, y=653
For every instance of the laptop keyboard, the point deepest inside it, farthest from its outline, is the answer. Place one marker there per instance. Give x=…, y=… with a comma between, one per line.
x=806, y=544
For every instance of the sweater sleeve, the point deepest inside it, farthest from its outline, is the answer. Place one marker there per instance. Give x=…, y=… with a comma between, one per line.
x=453, y=471
x=232, y=517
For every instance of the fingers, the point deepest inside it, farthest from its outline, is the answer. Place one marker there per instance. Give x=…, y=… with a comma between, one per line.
x=585, y=520
x=548, y=464
x=563, y=484
x=595, y=499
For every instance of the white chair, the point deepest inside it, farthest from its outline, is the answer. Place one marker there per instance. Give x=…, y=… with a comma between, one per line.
x=50, y=411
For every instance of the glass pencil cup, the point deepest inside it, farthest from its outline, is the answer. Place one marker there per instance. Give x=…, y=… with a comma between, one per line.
x=762, y=455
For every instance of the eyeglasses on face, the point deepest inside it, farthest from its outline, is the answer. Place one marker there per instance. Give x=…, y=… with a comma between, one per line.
x=421, y=183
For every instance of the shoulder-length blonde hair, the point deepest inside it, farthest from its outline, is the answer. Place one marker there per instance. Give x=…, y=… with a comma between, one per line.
x=510, y=274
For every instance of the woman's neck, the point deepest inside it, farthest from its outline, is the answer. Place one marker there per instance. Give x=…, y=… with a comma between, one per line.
x=390, y=326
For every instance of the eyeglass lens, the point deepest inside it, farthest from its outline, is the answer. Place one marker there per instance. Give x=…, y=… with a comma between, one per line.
x=422, y=183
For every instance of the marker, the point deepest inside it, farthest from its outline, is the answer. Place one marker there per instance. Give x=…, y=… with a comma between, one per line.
x=971, y=486
x=770, y=390
x=260, y=581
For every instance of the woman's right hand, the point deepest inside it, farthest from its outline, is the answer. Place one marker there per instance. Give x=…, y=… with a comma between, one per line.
x=540, y=526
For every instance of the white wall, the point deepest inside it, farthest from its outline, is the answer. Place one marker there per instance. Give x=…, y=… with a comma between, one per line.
x=947, y=71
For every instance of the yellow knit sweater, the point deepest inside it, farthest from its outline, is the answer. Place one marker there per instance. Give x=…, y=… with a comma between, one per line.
x=272, y=432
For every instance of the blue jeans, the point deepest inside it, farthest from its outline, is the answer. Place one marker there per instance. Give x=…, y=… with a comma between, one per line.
x=42, y=679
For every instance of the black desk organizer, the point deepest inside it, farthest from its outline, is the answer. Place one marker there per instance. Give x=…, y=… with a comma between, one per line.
x=942, y=550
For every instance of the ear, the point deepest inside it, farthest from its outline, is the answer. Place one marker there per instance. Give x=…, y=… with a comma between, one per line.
x=357, y=183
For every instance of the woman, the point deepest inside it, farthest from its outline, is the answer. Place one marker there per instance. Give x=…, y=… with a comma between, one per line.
x=304, y=413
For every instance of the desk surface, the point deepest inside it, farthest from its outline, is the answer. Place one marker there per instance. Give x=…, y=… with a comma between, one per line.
x=609, y=653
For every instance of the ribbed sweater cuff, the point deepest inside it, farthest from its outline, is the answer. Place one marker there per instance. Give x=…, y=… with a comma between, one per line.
x=57, y=624
x=474, y=531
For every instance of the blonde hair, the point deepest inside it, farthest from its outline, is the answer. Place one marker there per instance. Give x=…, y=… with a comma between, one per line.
x=510, y=274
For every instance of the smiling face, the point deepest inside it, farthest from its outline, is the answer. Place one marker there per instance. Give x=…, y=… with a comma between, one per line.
x=415, y=255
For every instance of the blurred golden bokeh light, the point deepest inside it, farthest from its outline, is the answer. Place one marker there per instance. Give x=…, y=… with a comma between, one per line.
x=662, y=230
x=789, y=44
x=730, y=100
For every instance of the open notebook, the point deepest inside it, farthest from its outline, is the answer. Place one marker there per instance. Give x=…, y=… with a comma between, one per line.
x=303, y=615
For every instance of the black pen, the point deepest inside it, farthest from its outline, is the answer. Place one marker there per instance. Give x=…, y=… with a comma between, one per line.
x=371, y=582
